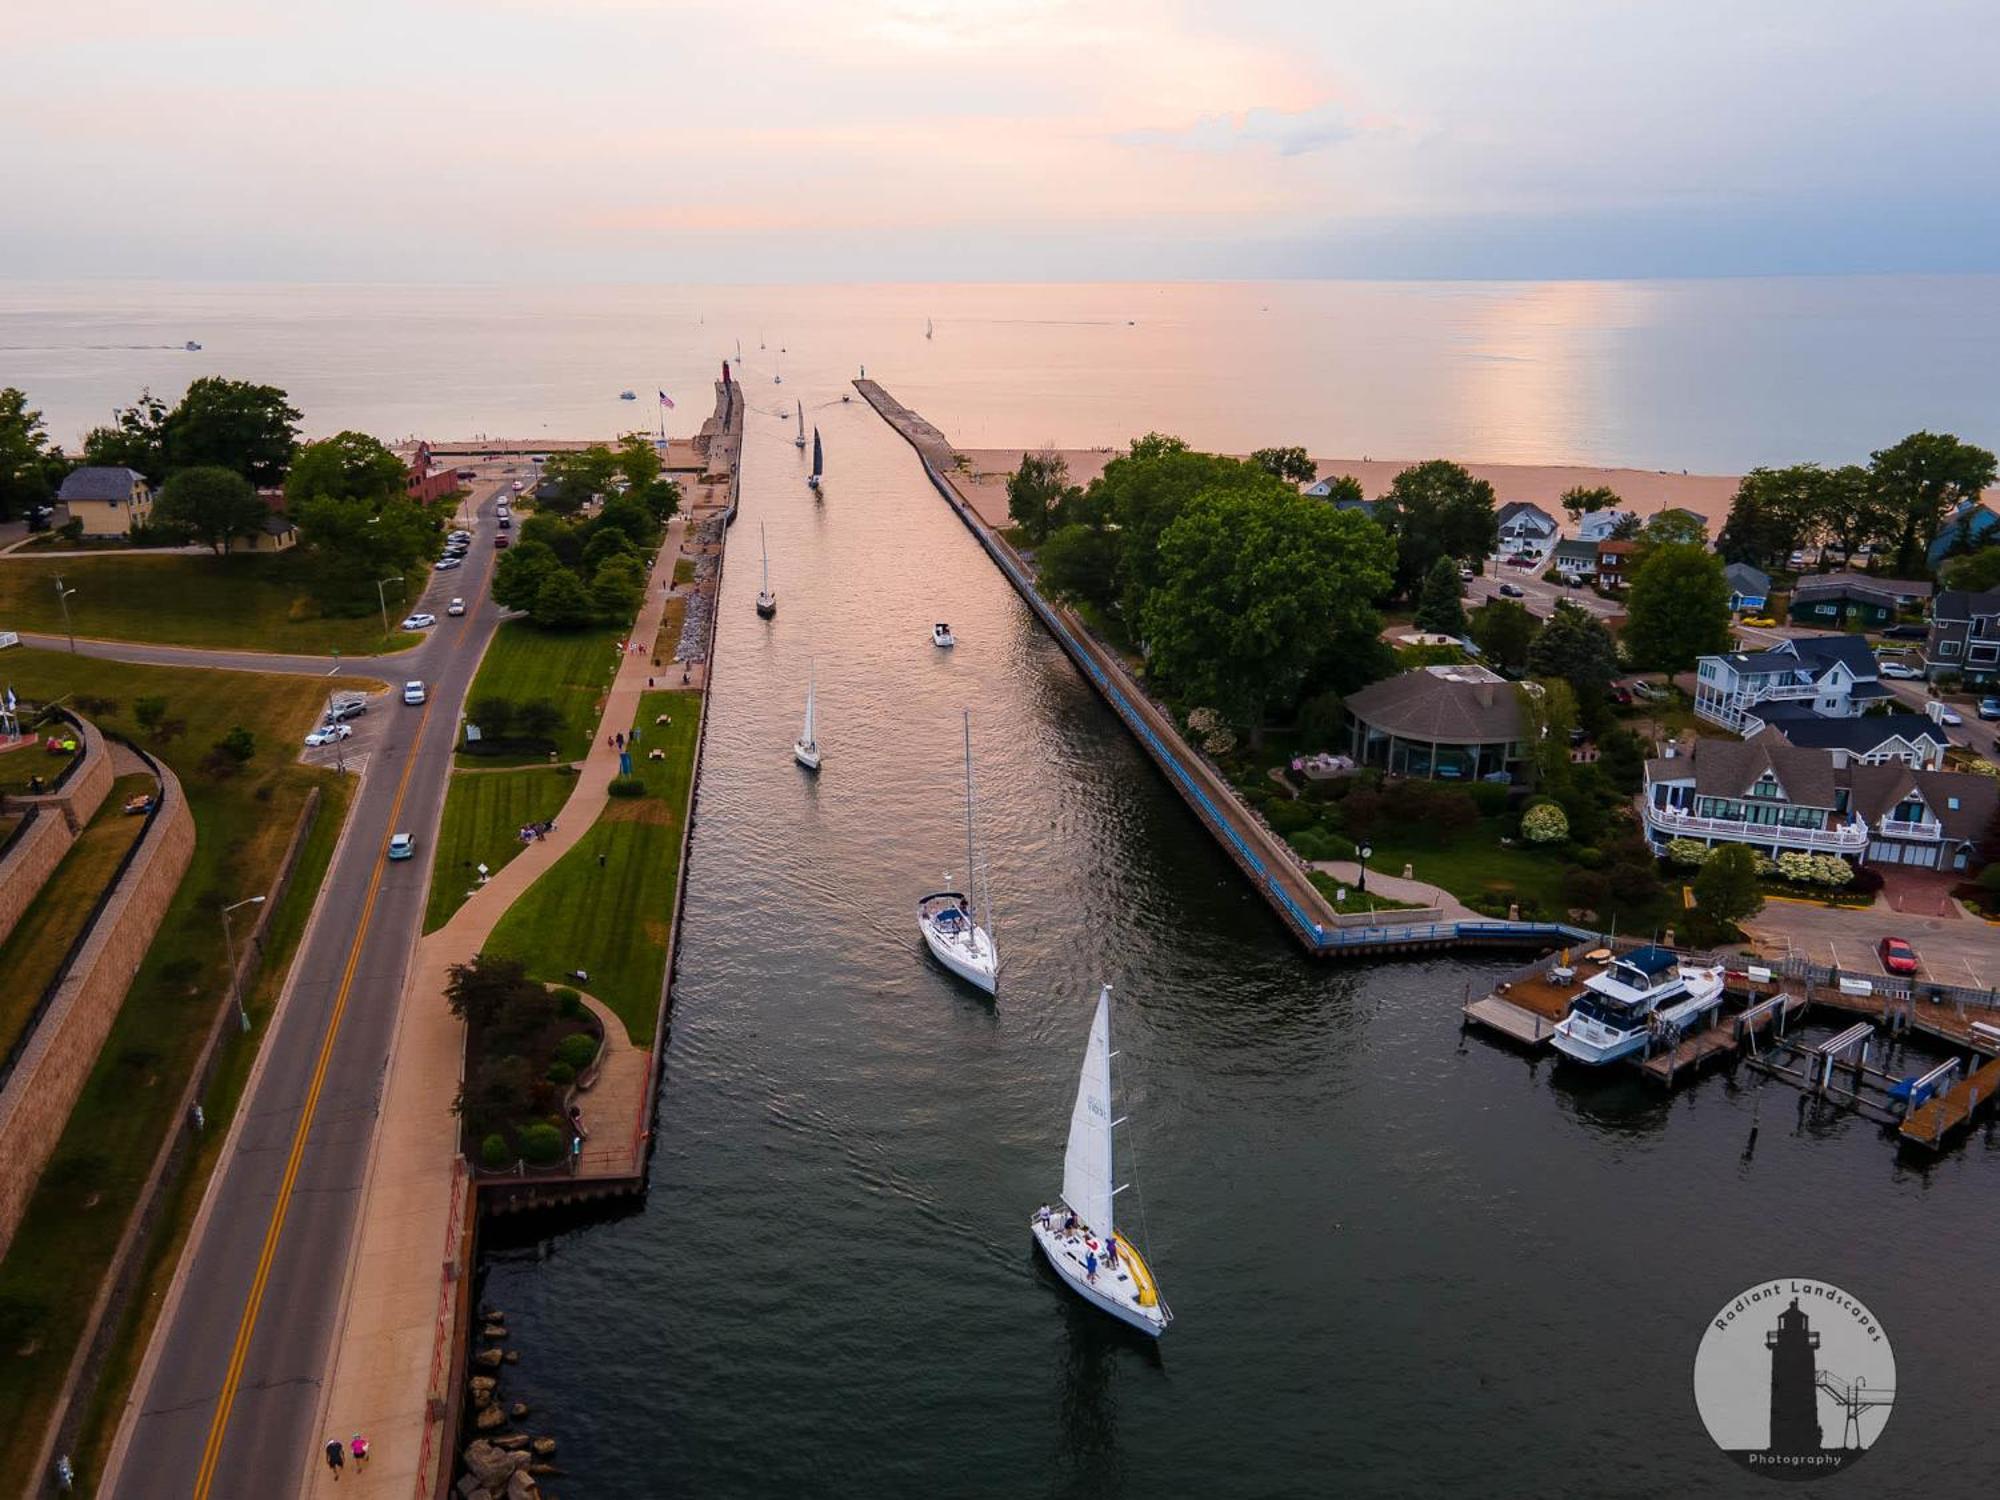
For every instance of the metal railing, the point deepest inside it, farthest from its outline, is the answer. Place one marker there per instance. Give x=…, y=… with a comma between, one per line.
x=1928, y=830
x=1849, y=836
x=437, y=1388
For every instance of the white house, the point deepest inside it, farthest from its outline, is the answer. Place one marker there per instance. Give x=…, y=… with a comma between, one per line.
x=1525, y=529
x=1597, y=525
x=1834, y=677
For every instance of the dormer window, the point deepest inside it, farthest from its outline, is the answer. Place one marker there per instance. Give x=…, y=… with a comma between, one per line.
x=1766, y=786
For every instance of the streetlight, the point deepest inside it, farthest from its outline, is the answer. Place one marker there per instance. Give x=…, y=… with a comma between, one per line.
x=229, y=946
x=382, y=598
x=1364, y=852
x=62, y=598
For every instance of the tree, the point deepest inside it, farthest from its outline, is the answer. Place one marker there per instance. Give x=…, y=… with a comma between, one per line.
x=1156, y=445
x=539, y=719
x=346, y=466
x=1920, y=481
x=1974, y=572
x=1678, y=608
x=1576, y=649
x=239, y=744
x=151, y=713
x=638, y=460
x=569, y=480
x=1775, y=512
x=351, y=544
x=1627, y=528
x=1503, y=631
x=560, y=602
x=492, y=713
x=1725, y=890
x=210, y=505
x=602, y=547
x=1675, y=528
x=1080, y=563
x=624, y=516
x=519, y=574
x=1437, y=509
x=1321, y=718
x=615, y=590
x=1346, y=490
x=1440, y=609
x=1036, y=492
x=1582, y=500
x=1548, y=714
x=233, y=424
x=1255, y=588
x=25, y=457
x=1144, y=492
x=136, y=439
x=561, y=537
x=1289, y=464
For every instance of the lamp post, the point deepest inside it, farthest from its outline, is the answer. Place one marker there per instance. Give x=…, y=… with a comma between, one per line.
x=62, y=598
x=1364, y=852
x=382, y=598
x=229, y=947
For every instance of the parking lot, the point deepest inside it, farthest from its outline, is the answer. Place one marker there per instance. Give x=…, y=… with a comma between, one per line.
x=1954, y=949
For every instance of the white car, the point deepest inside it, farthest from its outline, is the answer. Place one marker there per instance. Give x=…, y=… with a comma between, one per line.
x=419, y=622
x=326, y=734
x=1950, y=718
x=413, y=692
x=402, y=846
x=446, y=564
x=1901, y=671
x=519, y=487
x=456, y=607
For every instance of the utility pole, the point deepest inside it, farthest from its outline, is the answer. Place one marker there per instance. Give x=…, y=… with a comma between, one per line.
x=229, y=947
x=62, y=598
x=381, y=597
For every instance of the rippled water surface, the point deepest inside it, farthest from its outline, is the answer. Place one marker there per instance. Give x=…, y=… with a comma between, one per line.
x=1404, y=1261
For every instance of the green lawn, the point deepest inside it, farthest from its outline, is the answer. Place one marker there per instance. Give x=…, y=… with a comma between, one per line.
x=484, y=812
x=128, y=1103
x=245, y=603
x=608, y=905
x=570, y=667
x=36, y=947
x=19, y=768
x=1328, y=887
x=683, y=571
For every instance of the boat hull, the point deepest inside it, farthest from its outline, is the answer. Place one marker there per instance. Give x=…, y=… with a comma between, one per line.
x=806, y=755
x=767, y=606
x=977, y=962
x=1116, y=1291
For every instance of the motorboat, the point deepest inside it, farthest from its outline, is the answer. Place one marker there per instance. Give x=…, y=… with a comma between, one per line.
x=1081, y=1239
x=805, y=749
x=628, y=395
x=1645, y=994
x=948, y=919
x=941, y=635
x=192, y=347
x=767, y=602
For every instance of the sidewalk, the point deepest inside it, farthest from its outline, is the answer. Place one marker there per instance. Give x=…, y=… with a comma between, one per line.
x=385, y=1345
x=1346, y=871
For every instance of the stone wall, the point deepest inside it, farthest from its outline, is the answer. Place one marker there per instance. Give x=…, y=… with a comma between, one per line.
x=36, y=1103
x=30, y=860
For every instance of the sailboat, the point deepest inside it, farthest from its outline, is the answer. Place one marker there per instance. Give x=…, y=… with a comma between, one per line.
x=927, y=327
x=800, y=440
x=805, y=749
x=777, y=375
x=819, y=462
x=1082, y=1240
x=739, y=351
x=767, y=602
x=946, y=918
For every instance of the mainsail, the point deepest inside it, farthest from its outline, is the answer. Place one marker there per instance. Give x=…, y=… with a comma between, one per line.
x=819, y=455
x=812, y=685
x=1087, y=1185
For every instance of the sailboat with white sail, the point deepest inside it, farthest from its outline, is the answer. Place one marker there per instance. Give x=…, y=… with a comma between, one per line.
x=948, y=919
x=927, y=327
x=800, y=440
x=819, y=463
x=767, y=602
x=1081, y=1239
x=805, y=749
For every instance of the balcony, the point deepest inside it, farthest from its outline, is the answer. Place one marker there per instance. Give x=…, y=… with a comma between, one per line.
x=1922, y=830
x=1845, y=838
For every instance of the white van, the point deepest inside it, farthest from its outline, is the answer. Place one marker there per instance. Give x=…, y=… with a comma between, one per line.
x=413, y=692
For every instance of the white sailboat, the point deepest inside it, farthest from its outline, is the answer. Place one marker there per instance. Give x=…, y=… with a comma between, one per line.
x=805, y=749
x=1081, y=1239
x=947, y=919
x=800, y=440
x=927, y=327
x=739, y=351
x=819, y=463
x=767, y=602
x=777, y=375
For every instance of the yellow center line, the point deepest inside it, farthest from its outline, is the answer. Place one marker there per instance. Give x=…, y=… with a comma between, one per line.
x=212, y=1450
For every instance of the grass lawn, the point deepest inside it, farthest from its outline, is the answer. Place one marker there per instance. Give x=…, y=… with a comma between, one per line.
x=128, y=1103
x=36, y=947
x=484, y=812
x=608, y=905
x=571, y=668
x=667, y=641
x=244, y=602
x=683, y=571
x=1328, y=887
x=20, y=767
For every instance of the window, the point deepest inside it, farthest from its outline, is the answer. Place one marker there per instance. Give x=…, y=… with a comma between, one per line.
x=1951, y=804
x=1948, y=648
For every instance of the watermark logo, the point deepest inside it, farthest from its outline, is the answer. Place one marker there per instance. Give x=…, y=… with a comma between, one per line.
x=1794, y=1378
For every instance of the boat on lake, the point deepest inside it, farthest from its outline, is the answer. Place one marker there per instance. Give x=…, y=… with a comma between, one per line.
x=805, y=749
x=767, y=602
x=819, y=463
x=628, y=395
x=941, y=635
x=1635, y=997
x=948, y=919
x=800, y=440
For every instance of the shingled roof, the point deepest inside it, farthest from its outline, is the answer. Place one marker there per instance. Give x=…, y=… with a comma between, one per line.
x=1724, y=768
x=1448, y=705
x=99, y=482
x=1877, y=789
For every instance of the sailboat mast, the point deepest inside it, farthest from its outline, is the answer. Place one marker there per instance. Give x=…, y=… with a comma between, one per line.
x=971, y=872
x=764, y=551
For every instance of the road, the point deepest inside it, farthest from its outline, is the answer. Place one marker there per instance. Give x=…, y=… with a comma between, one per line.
x=252, y=1308
x=1540, y=594
x=392, y=664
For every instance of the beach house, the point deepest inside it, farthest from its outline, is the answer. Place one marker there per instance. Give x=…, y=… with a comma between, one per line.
x=1749, y=588
x=107, y=501
x=1964, y=637
x=1445, y=723
x=1598, y=525
x=1834, y=677
x=1576, y=558
x=1526, y=530
x=1968, y=527
x=1837, y=601
x=1612, y=560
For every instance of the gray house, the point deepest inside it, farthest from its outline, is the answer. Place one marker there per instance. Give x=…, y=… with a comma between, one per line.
x=1965, y=637
x=1447, y=723
x=1577, y=558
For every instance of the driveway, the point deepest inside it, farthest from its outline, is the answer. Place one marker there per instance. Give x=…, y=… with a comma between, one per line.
x=1954, y=949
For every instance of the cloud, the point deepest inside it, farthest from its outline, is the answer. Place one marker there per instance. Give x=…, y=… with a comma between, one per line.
x=1292, y=132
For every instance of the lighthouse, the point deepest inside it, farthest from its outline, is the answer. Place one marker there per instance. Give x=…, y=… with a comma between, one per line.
x=1794, y=1384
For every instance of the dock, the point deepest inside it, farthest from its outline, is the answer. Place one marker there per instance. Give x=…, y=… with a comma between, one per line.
x=1930, y=1125
x=1510, y=1020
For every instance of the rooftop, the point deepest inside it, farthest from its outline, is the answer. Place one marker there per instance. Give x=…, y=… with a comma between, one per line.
x=99, y=482
x=1452, y=705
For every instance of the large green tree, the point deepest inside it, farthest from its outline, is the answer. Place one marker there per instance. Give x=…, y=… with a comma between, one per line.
x=234, y=424
x=1775, y=512
x=1504, y=631
x=521, y=571
x=1440, y=608
x=135, y=439
x=1581, y=500
x=1080, y=563
x=1548, y=714
x=346, y=466
x=561, y=603
x=1037, y=492
x=1290, y=464
x=1255, y=587
x=616, y=589
x=1975, y=572
x=1675, y=527
x=1574, y=648
x=1678, y=608
x=27, y=461
x=570, y=479
x=1345, y=489
x=210, y=505
x=639, y=461
x=1920, y=481
x=1143, y=492
x=1437, y=509
x=352, y=544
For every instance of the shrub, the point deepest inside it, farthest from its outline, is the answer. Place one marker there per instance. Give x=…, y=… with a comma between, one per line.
x=493, y=1152
x=1585, y=888
x=1545, y=823
x=1589, y=856
x=578, y=1049
x=239, y=744
x=1288, y=817
x=1687, y=854
x=568, y=1002
x=560, y=1073
x=626, y=786
x=1490, y=797
x=1316, y=844
x=1867, y=881
x=541, y=1143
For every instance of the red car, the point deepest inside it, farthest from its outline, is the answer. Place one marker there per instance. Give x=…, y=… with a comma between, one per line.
x=1897, y=956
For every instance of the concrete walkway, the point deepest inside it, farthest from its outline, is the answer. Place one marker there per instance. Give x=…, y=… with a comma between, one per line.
x=614, y=1106
x=385, y=1348
x=1347, y=873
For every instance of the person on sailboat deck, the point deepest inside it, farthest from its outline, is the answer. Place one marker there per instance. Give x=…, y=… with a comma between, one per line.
x=1090, y=1265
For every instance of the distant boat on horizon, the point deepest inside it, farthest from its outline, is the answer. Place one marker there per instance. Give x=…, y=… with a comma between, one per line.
x=628, y=395
x=927, y=327
x=191, y=346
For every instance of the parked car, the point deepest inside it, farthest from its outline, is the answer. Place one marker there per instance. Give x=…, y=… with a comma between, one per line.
x=499, y=540
x=1989, y=708
x=1512, y=592
x=1902, y=671
x=506, y=522
x=519, y=487
x=326, y=734
x=413, y=692
x=1897, y=956
x=446, y=564
x=1949, y=717
x=1521, y=562
x=456, y=607
x=1652, y=692
x=1759, y=622
x=1465, y=575
x=419, y=622
x=402, y=845
x=346, y=708
x=1621, y=694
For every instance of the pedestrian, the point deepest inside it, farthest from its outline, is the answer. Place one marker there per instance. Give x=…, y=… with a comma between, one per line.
x=360, y=1446
x=621, y=740
x=600, y=861
x=336, y=1457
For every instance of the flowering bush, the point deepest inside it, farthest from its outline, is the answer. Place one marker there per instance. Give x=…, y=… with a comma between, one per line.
x=1815, y=869
x=1206, y=725
x=1688, y=854
x=1545, y=823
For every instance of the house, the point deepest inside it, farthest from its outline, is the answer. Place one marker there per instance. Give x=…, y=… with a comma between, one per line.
x=1911, y=740
x=108, y=501
x=1576, y=558
x=1447, y=723
x=425, y=481
x=1965, y=637
x=1835, y=601
x=1613, y=558
x=1835, y=677
x=1597, y=525
x=1324, y=488
x=1698, y=521
x=1749, y=589
x=276, y=534
x=1778, y=798
x=1968, y=527
x=1526, y=530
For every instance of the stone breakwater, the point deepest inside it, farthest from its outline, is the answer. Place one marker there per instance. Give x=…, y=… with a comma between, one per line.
x=504, y=1460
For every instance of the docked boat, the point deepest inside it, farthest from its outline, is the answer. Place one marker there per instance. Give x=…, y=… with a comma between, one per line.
x=948, y=919
x=1081, y=1240
x=819, y=463
x=1637, y=996
x=800, y=440
x=805, y=749
x=767, y=602
x=941, y=635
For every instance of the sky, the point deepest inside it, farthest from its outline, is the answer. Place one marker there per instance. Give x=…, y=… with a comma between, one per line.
x=890, y=140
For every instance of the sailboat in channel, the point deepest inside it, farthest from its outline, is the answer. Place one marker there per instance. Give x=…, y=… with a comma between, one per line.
x=927, y=327
x=800, y=440
x=805, y=749
x=949, y=920
x=1081, y=1239
x=767, y=602
x=819, y=464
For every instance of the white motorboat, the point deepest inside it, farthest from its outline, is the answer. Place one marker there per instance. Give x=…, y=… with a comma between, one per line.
x=819, y=463
x=948, y=920
x=1643, y=994
x=941, y=635
x=805, y=749
x=1081, y=1240
x=767, y=602
x=800, y=440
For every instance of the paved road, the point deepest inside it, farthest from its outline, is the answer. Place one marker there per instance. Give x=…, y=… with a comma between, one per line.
x=338, y=1020
x=1541, y=594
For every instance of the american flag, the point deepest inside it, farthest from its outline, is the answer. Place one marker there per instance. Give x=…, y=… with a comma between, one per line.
x=666, y=401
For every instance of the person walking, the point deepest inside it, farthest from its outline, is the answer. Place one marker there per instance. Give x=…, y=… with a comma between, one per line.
x=360, y=1446
x=336, y=1457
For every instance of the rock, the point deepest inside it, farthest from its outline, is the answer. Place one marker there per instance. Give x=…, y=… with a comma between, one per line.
x=521, y=1486
x=542, y=1447
x=543, y=1469
x=490, y=1465
x=484, y=1383
x=513, y=1356
x=495, y=1331
x=518, y=1410
x=468, y=1487
x=487, y=1359
x=490, y=1418
x=513, y=1442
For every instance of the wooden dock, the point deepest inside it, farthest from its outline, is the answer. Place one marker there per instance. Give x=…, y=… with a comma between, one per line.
x=1931, y=1125
x=1510, y=1020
